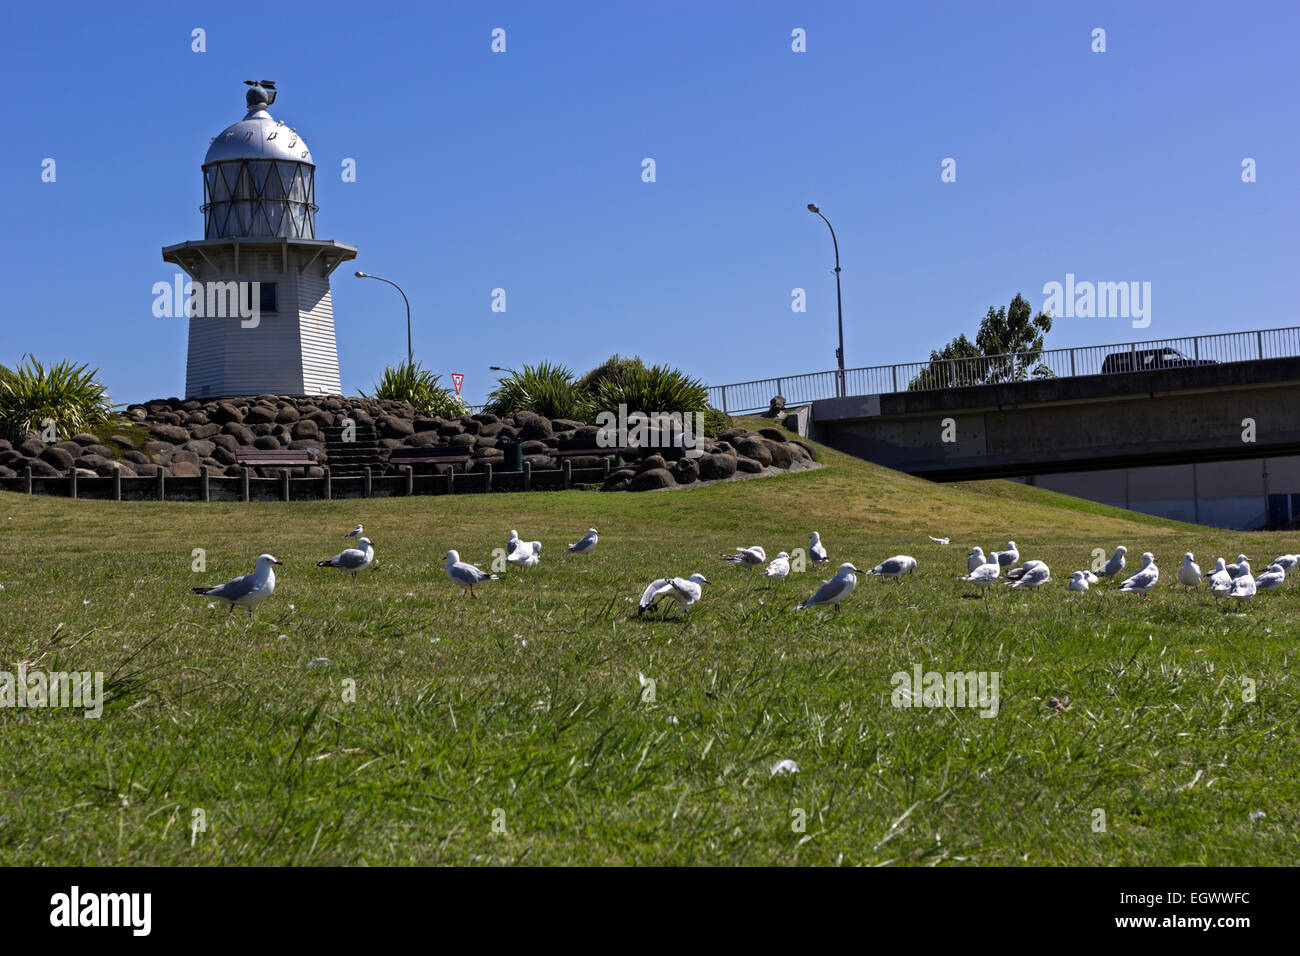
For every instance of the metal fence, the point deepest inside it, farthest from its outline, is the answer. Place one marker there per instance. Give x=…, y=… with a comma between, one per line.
x=1117, y=359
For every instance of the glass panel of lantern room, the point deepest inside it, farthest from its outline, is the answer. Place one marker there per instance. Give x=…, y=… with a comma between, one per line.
x=275, y=218
x=243, y=215
x=229, y=180
x=257, y=169
x=287, y=173
x=273, y=189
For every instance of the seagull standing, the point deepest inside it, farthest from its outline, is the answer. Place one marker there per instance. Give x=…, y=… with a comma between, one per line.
x=1220, y=580
x=356, y=532
x=586, y=544
x=975, y=559
x=1009, y=557
x=1243, y=588
x=894, y=567
x=1241, y=567
x=779, y=568
x=754, y=557
x=1272, y=578
x=1189, y=575
x=466, y=575
x=835, y=590
x=1077, y=582
x=512, y=543
x=1034, y=575
x=817, y=550
x=1116, y=563
x=528, y=554
x=686, y=591
x=1145, y=579
x=1287, y=562
x=984, y=575
x=249, y=590
x=351, y=560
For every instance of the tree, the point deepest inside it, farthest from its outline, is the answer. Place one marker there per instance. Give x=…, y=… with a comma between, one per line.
x=1007, y=348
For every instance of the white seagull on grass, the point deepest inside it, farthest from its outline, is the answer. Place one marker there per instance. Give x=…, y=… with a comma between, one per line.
x=834, y=590
x=465, y=575
x=1241, y=567
x=1077, y=582
x=1189, y=575
x=754, y=557
x=685, y=591
x=1243, y=588
x=1009, y=557
x=1287, y=562
x=586, y=544
x=894, y=567
x=1016, y=573
x=984, y=575
x=1220, y=580
x=779, y=568
x=248, y=591
x=1272, y=578
x=526, y=554
x=356, y=532
x=1116, y=563
x=351, y=560
x=1033, y=576
x=1145, y=579
x=975, y=558
x=817, y=550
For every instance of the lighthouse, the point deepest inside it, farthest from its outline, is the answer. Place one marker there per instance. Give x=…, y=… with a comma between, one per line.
x=261, y=320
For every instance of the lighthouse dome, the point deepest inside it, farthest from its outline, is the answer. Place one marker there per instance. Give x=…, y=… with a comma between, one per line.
x=258, y=177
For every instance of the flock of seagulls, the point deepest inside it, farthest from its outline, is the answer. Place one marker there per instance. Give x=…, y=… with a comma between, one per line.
x=983, y=570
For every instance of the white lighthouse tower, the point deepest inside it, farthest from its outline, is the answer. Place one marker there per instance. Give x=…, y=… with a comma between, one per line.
x=259, y=217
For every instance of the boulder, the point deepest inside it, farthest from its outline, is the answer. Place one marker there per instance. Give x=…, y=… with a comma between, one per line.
x=425, y=424
x=122, y=441
x=147, y=470
x=462, y=441
x=6, y=472
x=486, y=418
x=286, y=415
x=540, y=462
x=110, y=468
x=226, y=413
x=259, y=415
x=566, y=425
x=482, y=442
x=773, y=433
x=201, y=448
x=651, y=461
x=31, y=447
x=86, y=473
x=194, y=419
x=184, y=469
x=135, y=457
x=422, y=440
x=393, y=427
x=159, y=448
x=779, y=452
x=305, y=428
x=240, y=433
x=267, y=443
x=43, y=469
x=205, y=431
x=103, y=451
x=651, y=480
x=85, y=438
x=532, y=427
x=228, y=442
x=812, y=452
x=685, y=471
x=749, y=465
x=91, y=462
x=752, y=446
x=57, y=458
x=534, y=447
x=469, y=425
x=717, y=466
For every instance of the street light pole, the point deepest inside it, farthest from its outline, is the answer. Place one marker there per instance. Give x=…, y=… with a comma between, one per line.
x=839, y=302
x=410, y=355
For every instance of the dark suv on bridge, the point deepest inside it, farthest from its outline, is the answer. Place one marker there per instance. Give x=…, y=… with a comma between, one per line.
x=1143, y=360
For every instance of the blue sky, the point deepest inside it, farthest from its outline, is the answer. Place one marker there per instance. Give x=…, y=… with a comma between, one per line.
x=522, y=171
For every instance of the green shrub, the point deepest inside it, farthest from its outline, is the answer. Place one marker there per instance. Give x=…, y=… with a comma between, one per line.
x=715, y=420
x=417, y=386
x=546, y=389
x=66, y=393
x=657, y=389
x=608, y=370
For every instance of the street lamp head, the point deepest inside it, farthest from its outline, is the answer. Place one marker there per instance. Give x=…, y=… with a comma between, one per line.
x=362, y=275
x=812, y=207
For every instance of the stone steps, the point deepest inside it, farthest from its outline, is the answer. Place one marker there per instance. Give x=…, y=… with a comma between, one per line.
x=351, y=458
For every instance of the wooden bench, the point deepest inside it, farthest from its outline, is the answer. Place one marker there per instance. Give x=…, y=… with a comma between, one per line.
x=586, y=449
x=429, y=456
x=277, y=458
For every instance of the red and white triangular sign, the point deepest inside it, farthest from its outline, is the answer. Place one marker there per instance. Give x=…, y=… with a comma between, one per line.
x=458, y=379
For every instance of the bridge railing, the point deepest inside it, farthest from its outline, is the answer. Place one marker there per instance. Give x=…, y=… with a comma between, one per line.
x=1126, y=358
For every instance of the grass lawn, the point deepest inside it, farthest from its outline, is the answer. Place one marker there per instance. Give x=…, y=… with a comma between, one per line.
x=515, y=729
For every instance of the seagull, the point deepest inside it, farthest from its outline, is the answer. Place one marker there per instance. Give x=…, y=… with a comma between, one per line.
x=984, y=575
x=1016, y=573
x=1241, y=567
x=528, y=554
x=686, y=591
x=1033, y=577
x=1008, y=557
x=938, y=540
x=466, y=575
x=754, y=557
x=1220, y=580
x=975, y=558
x=351, y=559
x=1189, y=575
x=248, y=591
x=1116, y=563
x=817, y=550
x=356, y=532
x=1145, y=579
x=894, y=567
x=586, y=544
x=511, y=543
x=1272, y=578
x=1243, y=587
x=779, y=567
x=1077, y=582
x=1287, y=562
x=834, y=590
